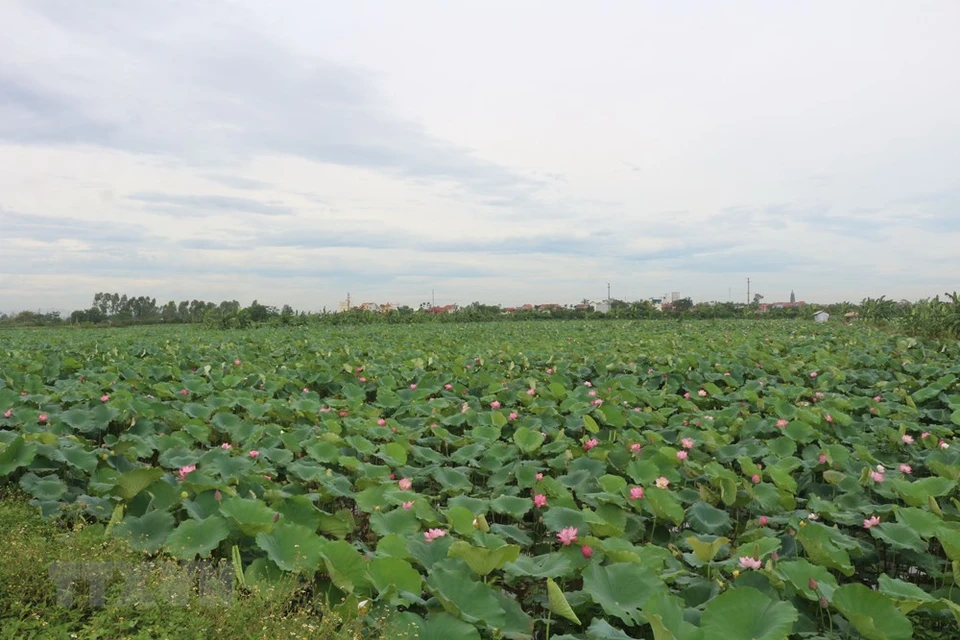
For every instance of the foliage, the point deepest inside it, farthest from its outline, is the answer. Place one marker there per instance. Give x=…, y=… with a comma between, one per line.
x=686, y=480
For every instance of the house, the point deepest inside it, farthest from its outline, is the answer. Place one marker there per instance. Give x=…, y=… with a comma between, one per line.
x=821, y=316
x=766, y=306
x=447, y=308
x=368, y=306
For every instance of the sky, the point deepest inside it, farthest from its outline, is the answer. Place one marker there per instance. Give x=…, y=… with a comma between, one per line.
x=495, y=151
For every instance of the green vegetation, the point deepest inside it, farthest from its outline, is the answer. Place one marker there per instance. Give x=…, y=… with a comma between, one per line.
x=713, y=479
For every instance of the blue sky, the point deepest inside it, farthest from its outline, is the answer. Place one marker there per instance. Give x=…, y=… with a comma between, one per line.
x=496, y=151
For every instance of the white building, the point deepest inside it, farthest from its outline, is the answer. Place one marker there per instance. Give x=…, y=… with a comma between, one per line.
x=821, y=316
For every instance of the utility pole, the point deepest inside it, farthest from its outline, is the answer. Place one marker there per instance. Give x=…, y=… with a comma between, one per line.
x=748, y=290
x=433, y=298
x=608, y=292
x=348, y=301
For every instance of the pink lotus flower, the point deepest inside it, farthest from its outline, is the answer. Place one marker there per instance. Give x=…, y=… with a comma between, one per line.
x=539, y=500
x=590, y=444
x=236, y=363
x=943, y=444
x=871, y=522
x=217, y=495
x=325, y=409
x=432, y=534
x=828, y=418
x=588, y=384
x=813, y=374
x=924, y=435
x=184, y=392
x=186, y=470
x=746, y=562
x=381, y=422
x=408, y=504
x=539, y=477
x=636, y=493
x=681, y=455
x=448, y=386
x=567, y=536
x=8, y=413
x=254, y=453
x=687, y=443
x=764, y=520
x=877, y=476
x=905, y=468
x=42, y=418
x=781, y=423
x=358, y=369
x=512, y=416
x=637, y=409
x=586, y=551
x=597, y=402
x=413, y=386
x=906, y=438
x=226, y=446
x=531, y=392
x=662, y=482
x=755, y=478
x=495, y=404
x=823, y=458
x=405, y=484
x=686, y=395
x=362, y=379
x=105, y=398
x=877, y=398
x=636, y=448
x=702, y=393
x=549, y=372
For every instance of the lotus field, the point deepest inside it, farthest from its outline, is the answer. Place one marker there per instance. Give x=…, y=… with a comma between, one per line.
x=697, y=480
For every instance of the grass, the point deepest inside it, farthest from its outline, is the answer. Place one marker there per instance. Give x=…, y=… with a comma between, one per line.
x=29, y=605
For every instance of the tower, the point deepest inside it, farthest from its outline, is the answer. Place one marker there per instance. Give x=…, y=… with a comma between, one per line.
x=793, y=298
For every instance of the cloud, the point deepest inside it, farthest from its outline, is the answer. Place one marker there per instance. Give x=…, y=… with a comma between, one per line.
x=192, y=205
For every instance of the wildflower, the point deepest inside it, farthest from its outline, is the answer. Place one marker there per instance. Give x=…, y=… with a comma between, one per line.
x=906, y=438
x=567, y=536
x=755, y=478
x=636, y=448
x=662, y=482
x=432, y=534
x=512, y=416
x=764, y=520
x=226, y=446
x=687, y=443
x=408, y=504
x=586, y=551
x=681, y=455
x=254, y=453
x=539, y=500
x=42, y=418
x=186, y=470
x=405, y=484
x=590, y=444
x=495, y=404
x=413, y=386
x=871, y=522
x=746, y=562
x=781, y=423
x=636, y=493
x=905, y=468
x=702, y=393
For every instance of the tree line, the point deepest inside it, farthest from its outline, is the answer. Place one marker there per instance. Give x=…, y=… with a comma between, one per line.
x=932, y=317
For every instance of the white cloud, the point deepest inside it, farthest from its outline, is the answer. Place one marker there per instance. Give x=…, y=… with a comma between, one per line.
x=497, y=152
